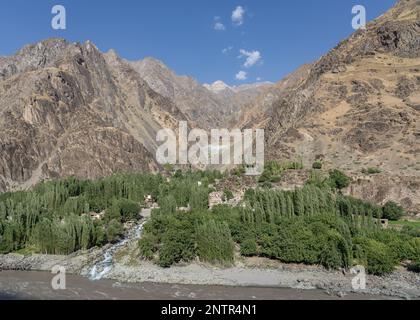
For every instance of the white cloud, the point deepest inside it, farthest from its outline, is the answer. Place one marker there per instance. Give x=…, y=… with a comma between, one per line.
x=241, y=75
x=238, y=16
x=227, y=50
x=251, y=57
x=259, y=79
x=218, y=25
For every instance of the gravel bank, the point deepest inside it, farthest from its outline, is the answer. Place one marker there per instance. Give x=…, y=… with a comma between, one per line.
x=74, y=263
x=401, y=283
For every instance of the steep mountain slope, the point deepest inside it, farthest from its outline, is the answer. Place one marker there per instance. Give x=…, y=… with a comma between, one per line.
x=206, y=106
x=356, y=107
x=237, y=98
x=67, y=109
x=195, y=101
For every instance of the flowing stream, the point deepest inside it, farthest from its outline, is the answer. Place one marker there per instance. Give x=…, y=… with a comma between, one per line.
x=103, y=267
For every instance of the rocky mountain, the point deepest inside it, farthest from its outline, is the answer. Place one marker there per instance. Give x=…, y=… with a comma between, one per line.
x=253, y=90
x=206, y=106
x=67, y=109
x=237, y=98
x=356, y=107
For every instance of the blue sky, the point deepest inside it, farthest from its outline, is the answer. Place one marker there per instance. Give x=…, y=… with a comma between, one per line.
x=276, y=36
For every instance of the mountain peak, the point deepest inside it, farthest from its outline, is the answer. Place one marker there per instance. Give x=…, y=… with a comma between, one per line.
x=217, y=86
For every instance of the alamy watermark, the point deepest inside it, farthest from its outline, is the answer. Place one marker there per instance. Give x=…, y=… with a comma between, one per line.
x=359, y=20
x=224, y=147
x=58, y=282
x=359, y=281
x=58, y=22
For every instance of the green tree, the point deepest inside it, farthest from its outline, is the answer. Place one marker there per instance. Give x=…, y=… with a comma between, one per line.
x=114, y=231
x=376, y=256
x=214, y=242
x=249, y=247
x=392, y=211
x=339, y=180
x=199, y=199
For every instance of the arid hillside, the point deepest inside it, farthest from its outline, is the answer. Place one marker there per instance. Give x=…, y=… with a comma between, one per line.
x=355, y=108
x=67, y=109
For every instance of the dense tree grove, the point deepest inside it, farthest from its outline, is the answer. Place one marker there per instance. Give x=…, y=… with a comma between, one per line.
x=310, y=225
x=314, y=224
x=55, y=218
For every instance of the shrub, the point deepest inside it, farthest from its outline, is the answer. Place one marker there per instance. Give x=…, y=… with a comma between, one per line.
x=147, y=246
x=227, y=195
x=100, y=235
x=317, y=165
x=177, y=245
x=168, y=167
x=122, y=210
x=199, y=199
x=249, y=247
x=339, y=180
x=266, y=185
x=275, y=179
x=403, y=247
x=129, y=209
x=113, y=212
x=114, y=231
x=293, y=244
x=265, y=177
x=371, y=171
x=239, y=171
x=330, y=257
x=168, y=204
x=377, y=257
x=411, y=231
x=392, y=211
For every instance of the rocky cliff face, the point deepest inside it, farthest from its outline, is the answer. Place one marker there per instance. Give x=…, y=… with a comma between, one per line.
x=206, y=106
x=356, y=107
x=67, y=109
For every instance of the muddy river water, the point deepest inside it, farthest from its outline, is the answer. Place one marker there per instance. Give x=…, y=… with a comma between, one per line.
x=37, y=286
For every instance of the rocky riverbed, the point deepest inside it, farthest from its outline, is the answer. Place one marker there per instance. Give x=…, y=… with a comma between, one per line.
x=247, y=273
x=124, y=265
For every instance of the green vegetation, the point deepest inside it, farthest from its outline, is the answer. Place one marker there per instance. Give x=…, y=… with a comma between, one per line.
x=393, y=211
x=339, y=180
x=227, y=195
x=406, y=223
x=310, y=225
x=376, y=256
x=273, y=170
x=214, y=241
x=317, y=165
x=411, y=228
x=55, y=218
x=371, y=171
x=314, y=224
x=122, y=210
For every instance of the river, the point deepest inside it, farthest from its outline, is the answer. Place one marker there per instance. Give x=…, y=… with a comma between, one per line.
x=37, y=285
x=20, y=285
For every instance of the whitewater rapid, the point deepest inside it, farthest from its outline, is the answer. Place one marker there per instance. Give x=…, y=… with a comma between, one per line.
x=102, y=268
